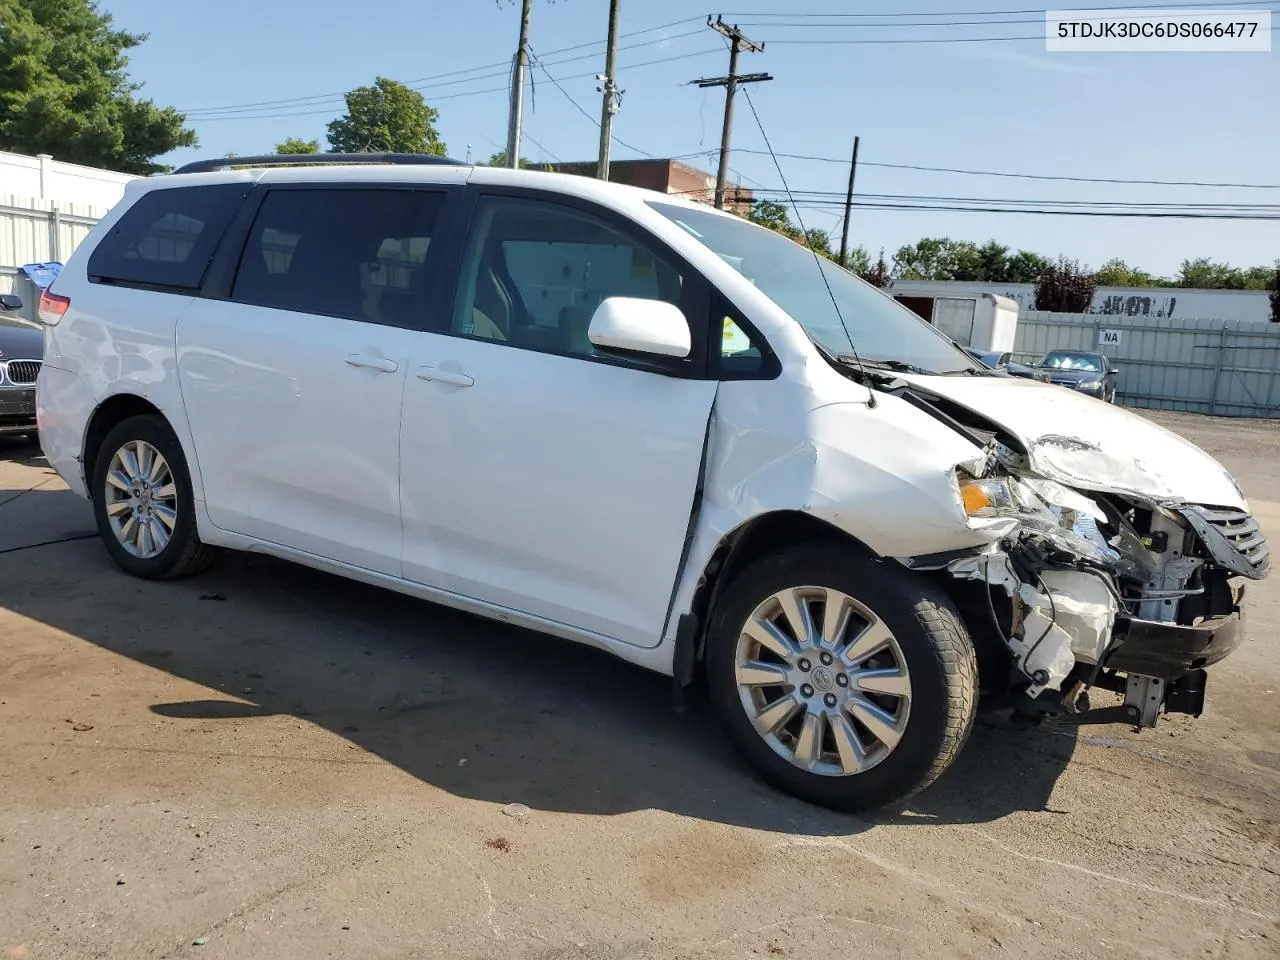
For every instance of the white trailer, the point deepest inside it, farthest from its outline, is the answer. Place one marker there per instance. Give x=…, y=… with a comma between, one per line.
x=979, y=321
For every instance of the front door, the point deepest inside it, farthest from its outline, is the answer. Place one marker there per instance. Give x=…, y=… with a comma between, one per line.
x=536, y=473
x=293, y=388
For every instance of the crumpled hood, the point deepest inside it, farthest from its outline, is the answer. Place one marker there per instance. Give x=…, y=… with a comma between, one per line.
x=1085, y=443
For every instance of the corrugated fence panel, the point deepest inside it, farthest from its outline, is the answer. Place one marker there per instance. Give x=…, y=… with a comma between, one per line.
x=1221, y=367
x=37, y=231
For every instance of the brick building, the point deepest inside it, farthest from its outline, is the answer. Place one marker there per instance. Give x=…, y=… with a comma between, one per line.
x=664, y=176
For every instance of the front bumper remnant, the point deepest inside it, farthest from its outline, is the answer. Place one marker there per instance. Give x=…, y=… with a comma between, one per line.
x=17, y=409
x=1168, y=651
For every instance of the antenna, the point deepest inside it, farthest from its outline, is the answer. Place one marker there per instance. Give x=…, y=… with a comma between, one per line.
x=871, y=395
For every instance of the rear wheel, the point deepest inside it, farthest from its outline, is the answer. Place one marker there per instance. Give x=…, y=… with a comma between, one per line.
x=843, y=680
x=143, y=503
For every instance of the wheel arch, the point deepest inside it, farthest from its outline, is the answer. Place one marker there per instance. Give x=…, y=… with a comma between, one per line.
x=759, y=536
x=114, y=410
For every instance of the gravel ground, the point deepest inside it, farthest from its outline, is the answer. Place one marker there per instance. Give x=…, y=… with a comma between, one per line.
x=267, y=761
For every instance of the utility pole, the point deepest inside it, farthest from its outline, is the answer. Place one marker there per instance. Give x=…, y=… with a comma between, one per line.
x=516, y=118
x=848, y=206
x=612, y=95
x=737, y=41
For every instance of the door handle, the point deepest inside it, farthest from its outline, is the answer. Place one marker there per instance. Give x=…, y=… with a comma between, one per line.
x=457, y=378
x=381, y=364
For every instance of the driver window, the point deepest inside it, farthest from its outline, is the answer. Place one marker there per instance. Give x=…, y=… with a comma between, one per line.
x=535, y=271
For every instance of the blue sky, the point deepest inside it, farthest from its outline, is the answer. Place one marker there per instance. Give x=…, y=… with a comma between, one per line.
x=1006, y=106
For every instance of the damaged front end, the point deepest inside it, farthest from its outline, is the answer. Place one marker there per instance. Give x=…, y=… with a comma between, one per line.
x=1100, y=584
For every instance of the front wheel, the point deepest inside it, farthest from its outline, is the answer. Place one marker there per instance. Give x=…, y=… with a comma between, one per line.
x=143, y=503
x=845, y=681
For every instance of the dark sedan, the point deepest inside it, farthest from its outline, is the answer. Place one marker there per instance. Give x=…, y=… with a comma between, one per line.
x=21, y=350
x=997, y=360
x=1090, y=373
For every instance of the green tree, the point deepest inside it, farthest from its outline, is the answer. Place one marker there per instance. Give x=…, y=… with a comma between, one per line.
x=64, y=89
x=1117, y=273
x=1065, y=288
x=936, y=258
x=298, y=145
x=857, y=260
x=1025, y=267
x=1207, y=275
x=771, y=214
x=1258, y=278
x=499, y=159
x=878, y=274
x=386, y=117
x=941, y=258
x=992, y=261
x=819, y=241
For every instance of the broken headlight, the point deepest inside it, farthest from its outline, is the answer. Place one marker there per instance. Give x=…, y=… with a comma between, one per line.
x=1066, y=519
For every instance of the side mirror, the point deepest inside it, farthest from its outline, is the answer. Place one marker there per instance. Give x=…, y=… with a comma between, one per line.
x=634, y=325
x=10, y=302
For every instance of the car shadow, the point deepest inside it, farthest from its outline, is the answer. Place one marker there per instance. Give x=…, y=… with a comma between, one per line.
x=23, y=451
x=471, y=706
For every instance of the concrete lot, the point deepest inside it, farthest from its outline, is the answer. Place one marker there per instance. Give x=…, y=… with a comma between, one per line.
x=285, y=765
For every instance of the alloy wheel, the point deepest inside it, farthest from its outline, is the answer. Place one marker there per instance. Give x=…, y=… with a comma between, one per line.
x=141, y=499
x=823, y=680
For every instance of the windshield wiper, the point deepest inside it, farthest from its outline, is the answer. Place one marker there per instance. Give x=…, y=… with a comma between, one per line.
x=853, y=361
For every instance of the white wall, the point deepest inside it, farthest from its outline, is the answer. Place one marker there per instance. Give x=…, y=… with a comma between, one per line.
x=1152, y=303
x=44, y=178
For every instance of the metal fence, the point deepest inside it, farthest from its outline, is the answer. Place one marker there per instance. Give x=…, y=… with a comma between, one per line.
x=1225, y=368
x=38, y=231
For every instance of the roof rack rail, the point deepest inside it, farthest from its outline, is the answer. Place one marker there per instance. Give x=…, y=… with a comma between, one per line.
x=307, y=159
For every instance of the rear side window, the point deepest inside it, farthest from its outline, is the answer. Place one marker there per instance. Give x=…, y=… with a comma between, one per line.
x=354, y=253
x=168, y=237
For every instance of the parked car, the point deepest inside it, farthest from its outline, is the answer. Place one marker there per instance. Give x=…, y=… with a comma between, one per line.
x=21, y=347
x=1090, y=373
x=641, y=424
x=1003, y=360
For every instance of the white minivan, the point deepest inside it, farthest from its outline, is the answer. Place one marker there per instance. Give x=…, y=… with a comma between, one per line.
x=635, y=422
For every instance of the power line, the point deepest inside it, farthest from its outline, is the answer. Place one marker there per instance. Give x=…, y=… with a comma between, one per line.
x=1023, y=176
x=616, y=139
x=821, y=198
x=832, y=194
x=1131, y=214
x=454, y=96
x=502, y=70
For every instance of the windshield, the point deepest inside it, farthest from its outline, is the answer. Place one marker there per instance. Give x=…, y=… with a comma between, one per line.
x=868, y=321
x=1061, y=360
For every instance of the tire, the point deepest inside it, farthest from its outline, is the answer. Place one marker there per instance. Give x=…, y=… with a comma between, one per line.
x=181, y=554
x=926, y=635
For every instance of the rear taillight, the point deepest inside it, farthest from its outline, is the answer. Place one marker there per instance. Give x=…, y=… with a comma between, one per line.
x=52, y=307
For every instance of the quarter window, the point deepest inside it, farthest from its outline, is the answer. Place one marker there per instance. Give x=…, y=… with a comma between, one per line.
x=535, y=272
x=739, y=354
x=357, y=253
x=168, y=237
